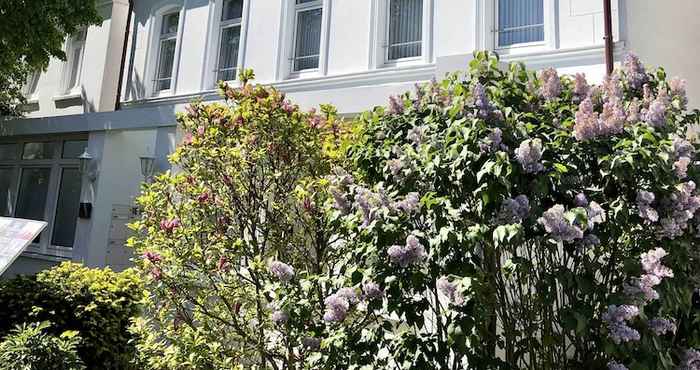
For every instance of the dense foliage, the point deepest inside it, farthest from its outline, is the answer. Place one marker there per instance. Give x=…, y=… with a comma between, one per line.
x=219, y=237
x=30, y=347
x=499, y=219
x=514, y=219
x=49, y=23
x=97, y=303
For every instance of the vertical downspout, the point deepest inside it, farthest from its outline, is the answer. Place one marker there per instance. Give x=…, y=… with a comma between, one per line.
x=120, y=83
x=607, y=15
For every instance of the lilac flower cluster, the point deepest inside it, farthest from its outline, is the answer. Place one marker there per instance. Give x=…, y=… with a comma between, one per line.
x=282, y=271
x=311, y=343
x=616, y=319
x=682, y=206
x=596, y=214
x=691, y=360
x=450, y=290
x=655, y=109
x=405, y=255
x=589, y=125
x=643, y=287
x=395, y=105
x=634, y=71
x=493, y=142
x=371, y=291
x=416, y=135
x=678, y=90
x=683, y=152
x=514, y=210
x=644, y=201
x=338, y=304
x=580, y=200
x=366, y=200
x=559, y=228
x=529, y=154
x=581, y=88
x=551, y=84
x=409, y=204
x=612, y=365
x=395, y=166
x=662, y=326
x=485, y=109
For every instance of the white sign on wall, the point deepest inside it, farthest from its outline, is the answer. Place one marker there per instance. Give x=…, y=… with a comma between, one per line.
x=15, y=235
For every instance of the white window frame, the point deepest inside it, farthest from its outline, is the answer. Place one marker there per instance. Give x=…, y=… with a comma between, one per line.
x=288, y=39
x=31, y=88
x=154, y=50
x=56, y=164
x=72, y=64
x=379, y=37
x=487, y=34
x=217, y=29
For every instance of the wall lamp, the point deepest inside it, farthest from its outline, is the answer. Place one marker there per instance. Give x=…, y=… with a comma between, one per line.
x=148, y=167
x=86, y=168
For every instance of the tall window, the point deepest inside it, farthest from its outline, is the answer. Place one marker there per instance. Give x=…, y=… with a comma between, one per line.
x=307, y=34
x=520, y=22
x=74, y=55
x=229, y=39
x=405, y=29
x=40, y=180
x=32, y=84
x=166, y=51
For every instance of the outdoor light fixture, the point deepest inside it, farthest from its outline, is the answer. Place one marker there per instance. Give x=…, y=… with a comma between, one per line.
x=85, y=166
x=148, y=166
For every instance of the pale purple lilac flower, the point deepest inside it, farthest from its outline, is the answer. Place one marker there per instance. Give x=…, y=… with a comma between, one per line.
x=365, y=201
x=683, y=148
x=616, y=319
x=280, y=317
x=416, y=135
x=340, y=202
x=492, y=142
x=556, y=224
x=336, y=308
x=683, y=204
x=395, y=105
x=580, y=200
x=311, y=343
x=350, y=294
x=651, y=263
x=395, y=166
x=551, y=84
x=634, y=71
x=589, y=124
x=411, y=253
x=596, y=214
x=612, y=365
x=450, y=290
x=481, y=101
x=612, y=89
x=581, y=88
x=644, y=201
x=634, y=111
x=419, y=96
x=691, y=360
x=655, y=115
x=529, y=154
x=371, y=290
x=655, y=272
x=281, y=271
x=662, y=326
x=680, y=167
x=409, y=204
x=514, y=210
x=678, y=90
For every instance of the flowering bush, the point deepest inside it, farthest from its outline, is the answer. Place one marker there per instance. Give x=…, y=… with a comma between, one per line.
x=511, y=219
x=235, y=244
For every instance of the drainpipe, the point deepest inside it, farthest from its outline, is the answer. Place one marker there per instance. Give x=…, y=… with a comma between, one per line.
x=120, y=83
x=607, y=15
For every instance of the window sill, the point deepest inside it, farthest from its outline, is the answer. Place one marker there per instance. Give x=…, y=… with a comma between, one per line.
x=58, y=257
x=537, y=59
x=32, y=100
x=68, y=96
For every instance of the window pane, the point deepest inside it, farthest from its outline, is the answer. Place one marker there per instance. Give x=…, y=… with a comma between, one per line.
x=67, y=208
x=165, y=64
x=228, y=57
x=405, y=29
x=74, y=148
x=233, y=9
x=32, y=83
x=8, y=152
x=170, y=23
x=308, y=39
x=75, y=66
x=6, y=192
x=37, y=151
x=520, y=21
x=305, y=1
x=33, y=188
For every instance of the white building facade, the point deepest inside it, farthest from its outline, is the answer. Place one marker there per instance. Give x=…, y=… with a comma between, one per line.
x=353, y=54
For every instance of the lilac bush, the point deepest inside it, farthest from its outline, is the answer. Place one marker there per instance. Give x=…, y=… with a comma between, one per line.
x=512, y=219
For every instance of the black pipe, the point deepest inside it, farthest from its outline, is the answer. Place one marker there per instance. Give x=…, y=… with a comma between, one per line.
x=117, y=103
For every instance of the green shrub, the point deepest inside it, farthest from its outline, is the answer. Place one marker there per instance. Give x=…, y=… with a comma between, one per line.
x=97, y=303
x=30, y=347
